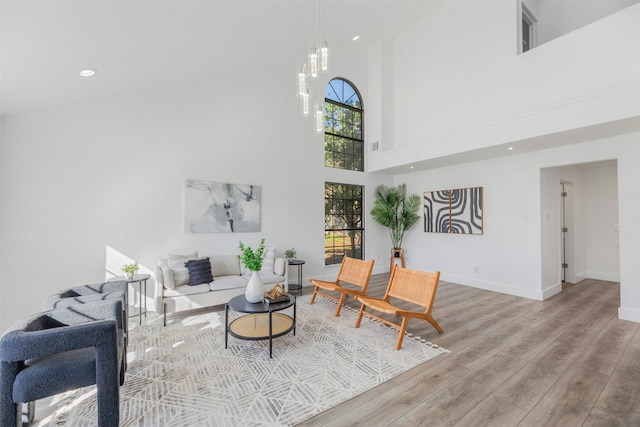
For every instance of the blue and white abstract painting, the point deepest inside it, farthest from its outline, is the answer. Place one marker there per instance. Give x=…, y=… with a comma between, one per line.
x=217, y=207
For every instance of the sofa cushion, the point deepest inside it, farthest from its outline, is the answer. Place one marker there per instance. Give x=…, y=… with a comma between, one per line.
x=199, y=271
x=167, y=277
x=279, y=266
x=225, y=265
x=228, y=282
x=177, y=265
x=271, y=279
x=179, y=291
x=268, y=260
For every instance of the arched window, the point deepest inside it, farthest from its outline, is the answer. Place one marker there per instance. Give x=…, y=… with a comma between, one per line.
x=343, y=149
x=343, y=130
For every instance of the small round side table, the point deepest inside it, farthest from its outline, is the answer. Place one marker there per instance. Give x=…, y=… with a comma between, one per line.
x=297, y=286
x=141, y=280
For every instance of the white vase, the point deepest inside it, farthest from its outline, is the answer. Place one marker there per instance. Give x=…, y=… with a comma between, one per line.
x=255, y=289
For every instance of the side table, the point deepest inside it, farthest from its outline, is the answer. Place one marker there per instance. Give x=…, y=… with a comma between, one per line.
x=141, y=280
x=297, y=286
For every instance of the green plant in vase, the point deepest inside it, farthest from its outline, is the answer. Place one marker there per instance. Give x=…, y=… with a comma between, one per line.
x=130, y=270
x=252, y=260
x=290, y=254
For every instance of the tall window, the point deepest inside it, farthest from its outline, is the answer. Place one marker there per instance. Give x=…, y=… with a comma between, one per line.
x=343, y=137
x=343, y=228
x=528, y=29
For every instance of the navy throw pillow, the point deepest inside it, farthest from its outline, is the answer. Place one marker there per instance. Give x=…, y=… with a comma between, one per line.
x=199, y=271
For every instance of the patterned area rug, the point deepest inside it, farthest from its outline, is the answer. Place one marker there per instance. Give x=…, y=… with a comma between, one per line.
x=181, y=375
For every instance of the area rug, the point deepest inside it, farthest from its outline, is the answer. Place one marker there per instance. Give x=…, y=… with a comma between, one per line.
x=181, y=374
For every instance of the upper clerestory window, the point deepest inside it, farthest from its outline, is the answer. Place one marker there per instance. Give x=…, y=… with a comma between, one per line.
x=528, y=29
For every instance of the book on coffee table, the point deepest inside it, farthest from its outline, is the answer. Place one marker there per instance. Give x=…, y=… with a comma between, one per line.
x=280, y=298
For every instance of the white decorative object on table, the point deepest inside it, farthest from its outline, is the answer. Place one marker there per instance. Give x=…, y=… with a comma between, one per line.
x=255, y=289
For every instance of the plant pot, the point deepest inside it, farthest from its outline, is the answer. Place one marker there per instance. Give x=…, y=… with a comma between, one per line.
x=255, y=289
x=129, y=276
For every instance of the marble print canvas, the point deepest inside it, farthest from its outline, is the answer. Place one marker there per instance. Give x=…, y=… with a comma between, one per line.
x=218, y=207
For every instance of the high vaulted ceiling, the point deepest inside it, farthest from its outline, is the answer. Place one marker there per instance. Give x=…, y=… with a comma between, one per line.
x=135, y=45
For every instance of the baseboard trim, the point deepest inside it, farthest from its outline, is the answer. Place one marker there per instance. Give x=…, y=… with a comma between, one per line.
x=551, y=291
x=609, y=277
x=502, y=288
x=631, y=314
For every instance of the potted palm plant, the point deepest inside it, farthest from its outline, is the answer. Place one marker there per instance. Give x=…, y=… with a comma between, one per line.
x=397, y=211
x=252, y=260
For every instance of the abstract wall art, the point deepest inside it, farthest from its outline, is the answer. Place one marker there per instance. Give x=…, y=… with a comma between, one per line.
x=453, y=211
x=217, y=207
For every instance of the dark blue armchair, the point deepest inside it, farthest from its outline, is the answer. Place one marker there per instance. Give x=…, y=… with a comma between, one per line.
x=87, y=294
x=60, y=350
x=92, y=289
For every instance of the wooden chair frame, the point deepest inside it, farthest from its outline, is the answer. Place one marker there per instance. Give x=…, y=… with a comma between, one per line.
x=417, y=287
x=353, y=271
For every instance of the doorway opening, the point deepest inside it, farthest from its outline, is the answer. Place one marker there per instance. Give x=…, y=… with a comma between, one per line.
x=566, y=232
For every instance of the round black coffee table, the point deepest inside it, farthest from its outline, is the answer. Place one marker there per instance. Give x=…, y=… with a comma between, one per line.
x=261, y=320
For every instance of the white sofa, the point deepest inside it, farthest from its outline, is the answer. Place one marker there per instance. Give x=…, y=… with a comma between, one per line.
x=230, y=278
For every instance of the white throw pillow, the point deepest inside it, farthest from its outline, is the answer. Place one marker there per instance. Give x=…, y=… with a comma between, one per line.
x=225, y=265
x=268, y=260
x=167, y=275
x=279, y=266
x=180, y=272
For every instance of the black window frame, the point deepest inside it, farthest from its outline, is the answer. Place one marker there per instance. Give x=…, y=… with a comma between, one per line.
x=354, y=153
x=352, y=230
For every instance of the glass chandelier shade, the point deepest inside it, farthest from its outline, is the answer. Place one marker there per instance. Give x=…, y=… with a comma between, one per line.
x=318, y=118
x=313, y=63
x=324, y=57
x=304, y=103
x=302, y=79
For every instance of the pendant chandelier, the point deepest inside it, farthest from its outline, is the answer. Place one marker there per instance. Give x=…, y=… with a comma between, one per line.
x=315, y=59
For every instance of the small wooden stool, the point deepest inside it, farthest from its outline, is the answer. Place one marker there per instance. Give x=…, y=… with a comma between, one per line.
x=396, y=254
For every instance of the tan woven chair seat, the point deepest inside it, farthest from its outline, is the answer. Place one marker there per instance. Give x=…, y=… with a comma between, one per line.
x=417, y=287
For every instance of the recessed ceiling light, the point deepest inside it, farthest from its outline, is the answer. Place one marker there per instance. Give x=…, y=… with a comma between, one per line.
x=410, y=167
x=355, y=38
x=87, y=73
x=510, y=148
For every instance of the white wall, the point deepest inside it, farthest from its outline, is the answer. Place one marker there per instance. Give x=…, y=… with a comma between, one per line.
x=629, y=216
x=78, y=179
x=459, y=85
x=602, y=237
x=559, y=17
x=506, y=257
x=519, y=250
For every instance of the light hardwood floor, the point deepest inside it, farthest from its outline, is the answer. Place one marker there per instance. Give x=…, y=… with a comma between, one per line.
x=566, y=361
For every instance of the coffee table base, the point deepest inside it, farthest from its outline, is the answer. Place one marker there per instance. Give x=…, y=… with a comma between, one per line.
x=259, y=325
x=256, y=326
